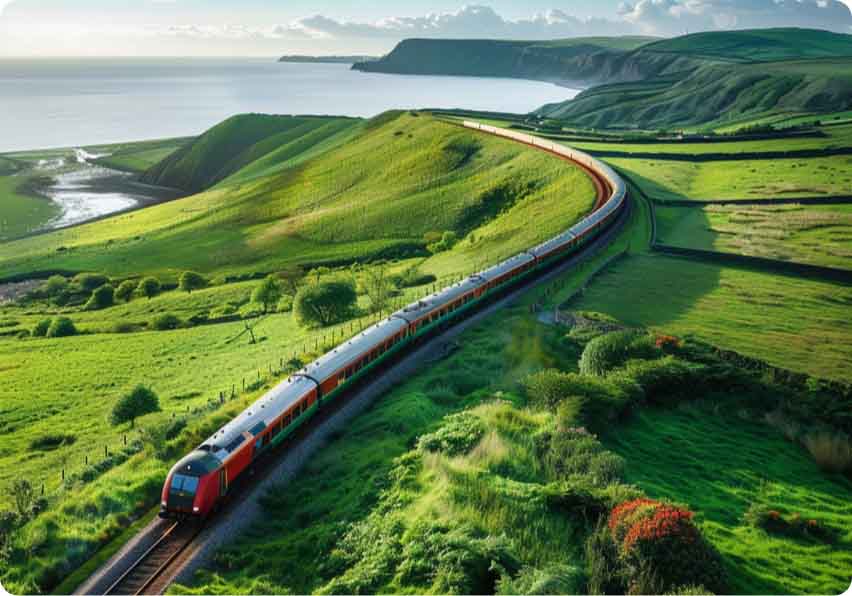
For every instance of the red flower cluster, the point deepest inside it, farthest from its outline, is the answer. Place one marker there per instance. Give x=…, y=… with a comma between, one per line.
x=668, y=342
x=666, y=523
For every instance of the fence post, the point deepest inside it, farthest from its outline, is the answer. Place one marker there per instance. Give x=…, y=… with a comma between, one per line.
x=106, y=451
x=125, y=439
x=63, y=474
x=87, y=459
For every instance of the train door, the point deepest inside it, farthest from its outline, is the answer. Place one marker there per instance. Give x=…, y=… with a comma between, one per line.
x=223, y=482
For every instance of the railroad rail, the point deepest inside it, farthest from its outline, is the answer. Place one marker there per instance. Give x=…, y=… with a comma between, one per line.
x=141, y=577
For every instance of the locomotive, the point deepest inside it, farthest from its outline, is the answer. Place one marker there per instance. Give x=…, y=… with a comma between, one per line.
x=199, y=481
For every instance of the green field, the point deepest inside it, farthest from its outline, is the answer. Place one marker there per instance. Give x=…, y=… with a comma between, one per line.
x=720, y=464
x=745, y=179
x=137, y=157
x=379, y=193
x=814, y=234
x=790, y=322
x=21, y=210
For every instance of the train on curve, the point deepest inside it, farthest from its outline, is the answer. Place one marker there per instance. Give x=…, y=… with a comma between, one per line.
x=198, y=482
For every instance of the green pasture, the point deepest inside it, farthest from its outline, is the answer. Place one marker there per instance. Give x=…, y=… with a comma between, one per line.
x=720, y=463
x=814, y=234
x=746, y=179
x=380, y=193
x=790, y=322
x=21, y=210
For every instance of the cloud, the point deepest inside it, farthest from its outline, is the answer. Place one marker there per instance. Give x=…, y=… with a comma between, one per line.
x=674, y=17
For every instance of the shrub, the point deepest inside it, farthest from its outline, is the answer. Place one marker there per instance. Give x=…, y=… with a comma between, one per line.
x=660, y=545
x=458, y=434
x=61, y=327
x=554, y=579
x=137, y=403
x=125, y=327
x=267, y=294
x=325, y=303
x=448, y=239
x=103, y=297
x=664, y=381
x=590, y=401
x=609, y=351
x=51, y=442
x=166, y=322
x=285, y=304
x=125, y=290
x=773, y=522
x=190, y=281
x=55, y=285
x=149, y=287
x=90, y=281
x=40, y=330
x=668, y=343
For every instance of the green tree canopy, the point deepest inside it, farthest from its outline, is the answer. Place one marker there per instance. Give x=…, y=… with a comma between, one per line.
x=61, y=327
x=103, y=297
x=125, y=290
x=137, y=403
x=90, y=281
x=150, y=287
x=55, y=285
x=190, y=280
x=268, y=293
x=325, y=303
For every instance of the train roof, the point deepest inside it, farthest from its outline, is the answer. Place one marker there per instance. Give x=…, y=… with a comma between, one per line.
x=432, y=302
x=349, y=351
x=197, y=463
x=504, y=266
x=258, y=415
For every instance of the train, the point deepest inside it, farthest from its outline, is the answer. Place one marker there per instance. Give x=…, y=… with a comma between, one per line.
x=199, y=482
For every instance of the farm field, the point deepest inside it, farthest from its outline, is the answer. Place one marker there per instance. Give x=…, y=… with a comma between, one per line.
x=790, y=322
x=814, y=234
x=721, y=464
x=744, y=179
x=442, y=178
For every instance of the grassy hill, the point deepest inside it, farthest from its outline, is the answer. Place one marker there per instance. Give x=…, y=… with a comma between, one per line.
x=235, y=143
x=377, y=188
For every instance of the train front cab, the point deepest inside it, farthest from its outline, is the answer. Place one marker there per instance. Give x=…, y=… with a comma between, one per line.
x=192, y=487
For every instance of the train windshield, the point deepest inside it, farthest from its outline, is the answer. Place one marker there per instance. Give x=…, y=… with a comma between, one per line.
x=184, y=484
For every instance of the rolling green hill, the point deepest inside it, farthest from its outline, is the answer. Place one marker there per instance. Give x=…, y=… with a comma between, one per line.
x=235, y=143
x=373, y=188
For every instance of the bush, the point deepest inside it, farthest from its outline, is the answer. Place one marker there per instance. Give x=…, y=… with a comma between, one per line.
x=125, y=290
x=554, y=579
x=149, y=287
x=61, y=327
x=610, y=351
x=448, y=239
x=40, y=330
x=190, y=281
x=55, y=285
x=325, y=303
x=285, y=304
x=125, y=327
x=664, y=381
x=137, y=403
x=659, y=545
x=166, y=322
x=90, y=281
x=458, y=434
x=103, y=297
x=267, y=294
x=795, y=526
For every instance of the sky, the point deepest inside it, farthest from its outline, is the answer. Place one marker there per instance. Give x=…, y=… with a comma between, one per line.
x=274, y=27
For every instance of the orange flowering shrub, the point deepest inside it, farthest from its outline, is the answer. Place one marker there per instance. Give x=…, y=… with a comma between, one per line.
x=656, y=536
x=668, y=343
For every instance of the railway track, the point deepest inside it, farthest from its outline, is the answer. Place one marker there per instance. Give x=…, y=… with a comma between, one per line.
x=143, y=575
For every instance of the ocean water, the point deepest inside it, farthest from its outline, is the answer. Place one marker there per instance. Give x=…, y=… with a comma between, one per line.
x=71, y=103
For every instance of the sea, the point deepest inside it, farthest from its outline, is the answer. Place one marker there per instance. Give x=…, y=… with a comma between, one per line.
x=74, y=103
x=47, y=103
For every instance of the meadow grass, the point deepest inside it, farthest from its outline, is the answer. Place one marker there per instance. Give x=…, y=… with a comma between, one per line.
x=381, y=192
x=721, y=464
x=790, y=322
x=815, y=234
x=745, y=179
x=21, y=211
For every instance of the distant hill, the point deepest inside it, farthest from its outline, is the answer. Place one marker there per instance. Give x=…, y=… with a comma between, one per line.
x=237, y=142
x=567, y=62
x=327, y=59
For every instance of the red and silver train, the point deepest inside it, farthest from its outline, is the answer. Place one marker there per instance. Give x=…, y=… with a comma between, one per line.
x=199, y=481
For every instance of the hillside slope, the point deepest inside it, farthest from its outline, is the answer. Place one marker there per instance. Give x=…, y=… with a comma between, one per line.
x=233, y=144
x=378, y=190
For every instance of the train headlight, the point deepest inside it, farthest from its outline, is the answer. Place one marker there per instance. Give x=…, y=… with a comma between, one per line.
x=195, y=509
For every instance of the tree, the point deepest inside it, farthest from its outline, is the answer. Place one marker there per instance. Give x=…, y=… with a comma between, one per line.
x=55, y=285
x=61, y=327
x=125, y=290
x=137, y=403
x=90, y=281
x=23, y=495
x=103, y=297
x=318, y=272
x=41, y=328
x=190, y=280
x=325, y=303
x=166, y=322
x=268, y=293
x=377, y=285
x=150, y=287
x=291, y=278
